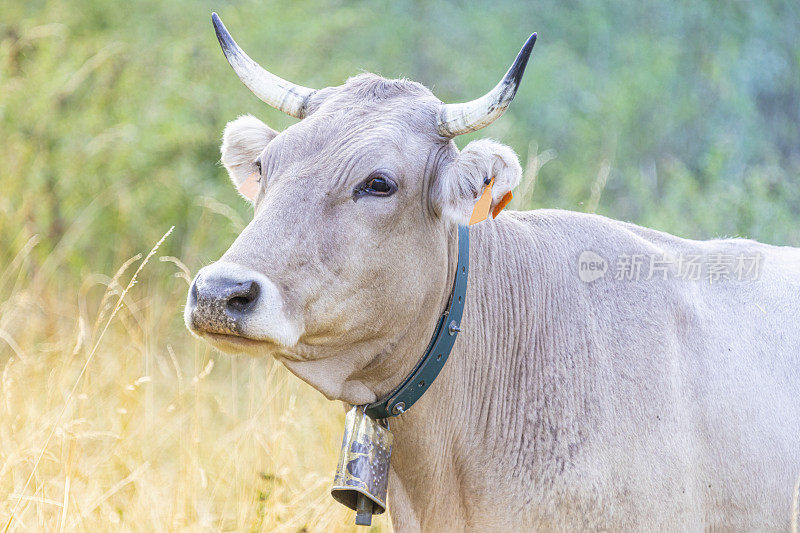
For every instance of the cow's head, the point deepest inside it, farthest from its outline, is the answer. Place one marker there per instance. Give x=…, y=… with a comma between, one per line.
x=347, y=262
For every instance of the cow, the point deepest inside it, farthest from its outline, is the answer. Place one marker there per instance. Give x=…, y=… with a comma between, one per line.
x=581, y=394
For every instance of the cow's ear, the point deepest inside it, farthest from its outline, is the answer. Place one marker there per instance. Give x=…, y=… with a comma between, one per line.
x=242, y=143
x=461, y=181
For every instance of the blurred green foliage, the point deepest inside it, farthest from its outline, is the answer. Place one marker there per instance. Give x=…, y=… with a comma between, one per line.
x=111, y=113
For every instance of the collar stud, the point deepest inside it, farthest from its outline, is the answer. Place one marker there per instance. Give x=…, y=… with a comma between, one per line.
x=453, y=328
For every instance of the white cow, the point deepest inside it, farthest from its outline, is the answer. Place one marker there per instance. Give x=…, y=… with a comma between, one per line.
x=608, y=376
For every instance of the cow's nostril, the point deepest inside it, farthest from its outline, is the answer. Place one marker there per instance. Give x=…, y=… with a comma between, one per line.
x=243, y=299
x=237, y=303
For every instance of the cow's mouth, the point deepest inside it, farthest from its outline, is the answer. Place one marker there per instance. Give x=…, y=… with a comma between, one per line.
x=231, y=343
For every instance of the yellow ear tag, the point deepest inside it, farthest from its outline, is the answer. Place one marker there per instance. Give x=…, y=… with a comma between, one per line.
x=249, y=187
x=481, y=209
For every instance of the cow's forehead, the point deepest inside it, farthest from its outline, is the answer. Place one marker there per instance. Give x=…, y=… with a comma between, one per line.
x=333, y=157
x=367, y=119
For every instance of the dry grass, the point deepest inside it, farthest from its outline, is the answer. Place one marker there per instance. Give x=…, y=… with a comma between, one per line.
x=140, y=427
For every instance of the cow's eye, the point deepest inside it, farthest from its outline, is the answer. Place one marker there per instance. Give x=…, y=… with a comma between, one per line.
x=258, y=166
x=380, y=185
x=375, y=185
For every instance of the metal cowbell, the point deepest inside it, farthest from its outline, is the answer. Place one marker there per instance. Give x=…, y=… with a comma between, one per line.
x=363, y=473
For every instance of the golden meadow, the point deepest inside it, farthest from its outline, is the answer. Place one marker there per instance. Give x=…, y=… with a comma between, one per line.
x=112, y=417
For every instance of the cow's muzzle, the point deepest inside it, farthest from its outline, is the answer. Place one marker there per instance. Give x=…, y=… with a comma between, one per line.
x=229, y=299
x=220, y=303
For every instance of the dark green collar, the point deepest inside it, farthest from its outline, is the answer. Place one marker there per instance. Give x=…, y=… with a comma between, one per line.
x=444, y=336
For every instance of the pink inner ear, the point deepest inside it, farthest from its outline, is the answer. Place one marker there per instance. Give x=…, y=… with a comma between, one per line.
x=249, y=187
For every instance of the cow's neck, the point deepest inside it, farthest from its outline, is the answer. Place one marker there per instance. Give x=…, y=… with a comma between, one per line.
x=388, y=369
x=443, y=421
x=419, y=449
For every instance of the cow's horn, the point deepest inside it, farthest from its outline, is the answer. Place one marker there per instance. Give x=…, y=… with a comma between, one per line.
x=277, y=92
x=457, y=119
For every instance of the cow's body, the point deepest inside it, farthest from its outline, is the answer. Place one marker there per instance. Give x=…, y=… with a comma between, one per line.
x=612, y=404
